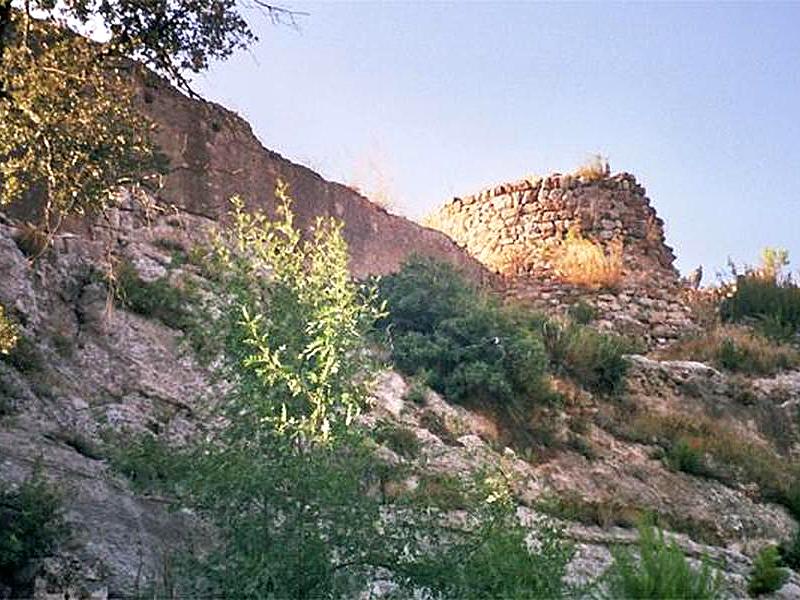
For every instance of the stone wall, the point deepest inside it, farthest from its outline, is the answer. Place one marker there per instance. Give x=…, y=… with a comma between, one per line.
x=517, y=225
x=516, y=229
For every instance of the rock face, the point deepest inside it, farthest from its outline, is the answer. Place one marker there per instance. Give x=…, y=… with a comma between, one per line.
x=515, y=228
x=93, y=368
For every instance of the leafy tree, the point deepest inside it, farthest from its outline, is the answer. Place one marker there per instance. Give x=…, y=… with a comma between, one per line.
x=288, y=478
x=70, y=132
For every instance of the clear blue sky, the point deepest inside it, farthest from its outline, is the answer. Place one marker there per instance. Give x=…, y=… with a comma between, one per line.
x=700, y=102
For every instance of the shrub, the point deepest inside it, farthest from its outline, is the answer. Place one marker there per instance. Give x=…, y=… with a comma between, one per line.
x=468, y=348
x=773, y=304
x=24, y=356
x=494, y=556
x=790, y=552
x=580, y=261
x=662, y=571
x=8, y=333
x=417, y=390
x=767, y=576
x=686, y=456
x=148, y=463
x=286, y=478
x=31, y=524
x=595, y=360
x=399, y=439
x=737, y=349
x=157, y=299
x=582, y=312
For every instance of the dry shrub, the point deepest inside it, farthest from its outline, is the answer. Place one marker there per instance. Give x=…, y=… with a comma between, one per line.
x=371, y=179
x=580, y=261
x=514, y=262
x=596, y=167
x=32, y=240
x=735, y=348
x=732, y=458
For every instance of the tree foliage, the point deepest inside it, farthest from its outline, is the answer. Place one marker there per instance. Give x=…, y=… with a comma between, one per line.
x=288, y=478
x=70, y=132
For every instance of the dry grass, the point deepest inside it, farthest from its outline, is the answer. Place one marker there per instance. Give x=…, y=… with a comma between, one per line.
x=585, y=263
x=727, y=455
x=595, y=168
x=33, y=241
x=735, y=348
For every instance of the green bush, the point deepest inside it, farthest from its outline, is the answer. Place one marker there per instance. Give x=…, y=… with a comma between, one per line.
x=149, y=463
x=469, y=349
x=399, y=439
x=286, y=479
x=491, y=558
x=790, y=552
x=157, y=299
x=686, y=457
x=595, y=360
x=662, y=571
x=31, y=525
x=767, y=576
x=24, y=356
x=582, y=312
x=773, y=304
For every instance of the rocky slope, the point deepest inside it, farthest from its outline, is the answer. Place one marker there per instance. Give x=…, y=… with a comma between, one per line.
x=89, y=367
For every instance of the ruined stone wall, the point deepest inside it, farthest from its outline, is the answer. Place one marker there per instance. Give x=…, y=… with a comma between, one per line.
x=516, y=229
x=516, y=226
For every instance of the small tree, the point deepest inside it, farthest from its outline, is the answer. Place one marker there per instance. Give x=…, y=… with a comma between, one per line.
x=70, y=132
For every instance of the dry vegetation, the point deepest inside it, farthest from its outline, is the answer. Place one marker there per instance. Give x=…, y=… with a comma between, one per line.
x=596, y=167
x=580, y=261
x=735, y=348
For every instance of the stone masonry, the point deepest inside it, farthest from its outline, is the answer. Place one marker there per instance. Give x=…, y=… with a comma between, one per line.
x=515, y=228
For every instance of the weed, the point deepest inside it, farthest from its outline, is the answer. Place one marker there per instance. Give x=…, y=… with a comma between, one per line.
x=156, y=299
x=25, y=357
x=661, y=571
x=738, y=349
x=595, y=360
x=595, y=168
x=400, y=440
x=790, y=551
x=32, y=241
x=686, y=456
x=417, y=391
x=773, y=303
x=767, y=576
x=146, y=461
x=582, y=312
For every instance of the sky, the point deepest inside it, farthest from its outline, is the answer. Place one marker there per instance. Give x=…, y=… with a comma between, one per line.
x=426, y=101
